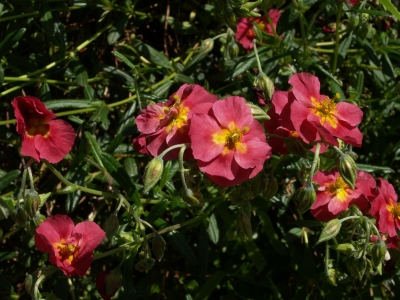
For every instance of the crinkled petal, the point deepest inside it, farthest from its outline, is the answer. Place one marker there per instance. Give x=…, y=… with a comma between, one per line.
x=305, y=87
x=28, y=147
x=233, y=109
x=257, y=152
x=221, y=166
x=349, y=113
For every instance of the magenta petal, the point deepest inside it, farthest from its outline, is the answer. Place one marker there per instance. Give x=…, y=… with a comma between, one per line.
x=57, y=143
x=256, y=153
x=92, y=235
x=280, y=100
x=335, y=206
x=349, y=113
x=28, y=147
x=221, y=166
x=233, y=109
x=305, y=87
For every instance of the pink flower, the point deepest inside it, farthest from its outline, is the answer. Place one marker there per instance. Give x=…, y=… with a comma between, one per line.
x=229, y=144
x=316, y=117
x=42, y=137
x=163, y=125
x=385, y=209
x=70, y=247
x=244, y=29
x=335, y=196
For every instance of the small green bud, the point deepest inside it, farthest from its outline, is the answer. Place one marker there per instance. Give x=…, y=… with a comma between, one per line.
x=378, y=253
x=230, y=19
x=244, y=12
x=330, y=230
x=145, y=264
x=29, y=284
x=114, y=281
x=263, y=82
x=306, y=197
x=244, y=224
x=346, y=248
x=111, y=226
x=359, y=265
x=348, y=170
x=296, y=147
x=355, y=210
x=251, y=5
x=192, y=197
x=331, y=276
x=152, y=175
x=233, y=50
x=20, y=217
x=158, y=248
x=257, y=112
x=34, y=223
x=207, y=45
x=31, y=202
x=271, y=187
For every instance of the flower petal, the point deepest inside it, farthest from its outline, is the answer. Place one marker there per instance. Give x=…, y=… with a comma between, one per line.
x=305, y=87
x=233, y=109
x=28, y=147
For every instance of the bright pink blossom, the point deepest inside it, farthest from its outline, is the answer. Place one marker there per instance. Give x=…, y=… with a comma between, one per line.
x=101, y=286
x=244, y=29
x=385, y=209
x=70, y=247
x=163, y=125
x=316, y=117
x=335, y=196
x=42, y=137
x=228, y=143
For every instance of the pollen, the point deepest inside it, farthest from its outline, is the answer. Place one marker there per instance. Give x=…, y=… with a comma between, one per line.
x=338, y=189
x=394, y=209
x=231, y=138
x=67, y=251
x=325, y=109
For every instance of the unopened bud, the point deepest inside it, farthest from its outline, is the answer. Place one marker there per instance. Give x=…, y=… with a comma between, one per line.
x=111, y=226
x=378, y=253
x=271, y=187
x=257, y=112
x=31, y=202
x=158, y=246
x=331, y=276
x=330, y=230
x=306, y=197
x=154, y=170
x=359, y=265
x=346, y=249
x=192, y=197
x=20, y=217
x=296, y=147
x=263, y=82
x=230, y=19
x=233, y=50
x=29, y=284
x=145, y=264
x=244, y=224
x=114, y=281
x=244, y=12
x=34, y=223
x=348, y=170
x=207, y=45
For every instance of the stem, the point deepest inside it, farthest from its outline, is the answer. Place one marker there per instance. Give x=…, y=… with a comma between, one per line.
x=335, y=55
x=375, y=229
x=257, y=58
x=172, y=148
x=181, y=167
x=22, y=188
x=271, y=25
x=314, y=163
x=326, y=258
x=367, y=239
x=31, y=177
x=348, y=218
x=41, y=279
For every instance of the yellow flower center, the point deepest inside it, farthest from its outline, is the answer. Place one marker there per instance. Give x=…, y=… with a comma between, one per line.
x=231, y=138
x=251, y=33
x=66, y=251
x=325, y=109
x=176, y=115
x=338, y=189
x=395, y=210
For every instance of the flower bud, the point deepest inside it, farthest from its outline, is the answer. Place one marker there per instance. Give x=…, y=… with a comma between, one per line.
x=346, y=249
x=233, y=50
x=158, y=246
x=111, y=226
x=330, y=230
x=257, y=112
x=348, y=170
x=29, y=284
x=240, y=194
x=359, y=266
x=331, y=276
x=244, y=12
x=114, y=281
x=34, y=223
x=20, y=217
x=230, y=19
x=154, y=170
x=263, y=82
x=271, y=187
x=192, y=197
x=306, y=197
x=378, y=253
x=245, y=225
x=32, y=202
x=207, y=45
x=296, y=147
x=251, y=5
x=145, y=264
x=355, y=210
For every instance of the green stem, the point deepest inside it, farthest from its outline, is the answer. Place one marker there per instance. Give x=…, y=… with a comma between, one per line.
x=337, y=36
x=46, y=274
x=257, y=58
x=314, y=163
x=348, y=218
x=181, y=167
x=31, y=177
x=326, y=258
x=271, y=24
x=172, y=148
x=22, y=188
x=367, y=239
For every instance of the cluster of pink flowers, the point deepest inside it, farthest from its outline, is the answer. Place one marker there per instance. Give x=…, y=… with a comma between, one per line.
x=227, y=142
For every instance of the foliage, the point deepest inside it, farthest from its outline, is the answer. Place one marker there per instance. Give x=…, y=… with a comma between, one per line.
x=98, y=63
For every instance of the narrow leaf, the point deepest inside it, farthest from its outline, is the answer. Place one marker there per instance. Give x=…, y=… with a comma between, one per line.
x=212, y=229
x=8, y=178
x=151, y=54
x=156, y=211
x=390, y=7
x=180, y=244
x=10, y=40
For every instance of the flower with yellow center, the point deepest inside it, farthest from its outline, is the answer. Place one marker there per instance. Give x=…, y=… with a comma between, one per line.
x=339, y=189
x=230, y=138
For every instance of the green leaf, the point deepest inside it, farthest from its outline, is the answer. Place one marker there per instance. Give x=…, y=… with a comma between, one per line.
x=8, y=178
x=70, y=103
x=156, y=211
x=10, y=40
x=184, y=79
x=101, y=115
x=212, y=229
x=118, y=74
x=151, y=54
x=180, y=245
x=131, y=167
x=343, y=48
x=370, y=12
x=44, y=92
x=387, y=67
x=125, y=60
x=117, y=29
x=1, y=75
x=371, y=168
x=81, y=75
x=94, y=146
x=46, y=18
x=255, y=255
x=329, y=75
x=6, y=207
x=370, y=51
x=209, y=286
x=390, y=7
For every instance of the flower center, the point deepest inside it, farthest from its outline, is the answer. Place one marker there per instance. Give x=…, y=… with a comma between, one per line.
x=231, y=138
x=68, y=249
x=175, y=115
x=338, y=189
x=325, y=109
x=395, y=210
x=251, y=33
x=36, y=125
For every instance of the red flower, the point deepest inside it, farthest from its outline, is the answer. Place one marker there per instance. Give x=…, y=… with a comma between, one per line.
x=335, y=196
x=70, y=247
x=244, y=29
x=42, y=137
x=163, y=125
x=316, y=117
x=385, y=209
x=101, y=286
x=228, y=142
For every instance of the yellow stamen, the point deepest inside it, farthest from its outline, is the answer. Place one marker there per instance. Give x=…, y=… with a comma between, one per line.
x=230, y=138
x=325, y=109
x=338, y=189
